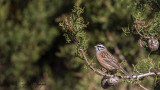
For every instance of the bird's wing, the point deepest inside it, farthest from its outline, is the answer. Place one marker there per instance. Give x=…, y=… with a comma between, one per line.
x=112, y=59
x=112, y=63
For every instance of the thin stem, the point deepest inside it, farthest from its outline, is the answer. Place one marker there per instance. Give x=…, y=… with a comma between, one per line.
x=135, y=26
x=142, y=87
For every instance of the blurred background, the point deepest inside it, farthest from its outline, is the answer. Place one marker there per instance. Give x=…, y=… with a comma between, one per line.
x=34, y=54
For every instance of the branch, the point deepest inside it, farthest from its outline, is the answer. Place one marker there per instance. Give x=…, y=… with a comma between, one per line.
x=123, y=77
x=142, y=75
x=140, y=24
x=91, y=67
x=142, y=87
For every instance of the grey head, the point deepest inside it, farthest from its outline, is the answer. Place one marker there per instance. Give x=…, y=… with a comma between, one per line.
x=99, y=47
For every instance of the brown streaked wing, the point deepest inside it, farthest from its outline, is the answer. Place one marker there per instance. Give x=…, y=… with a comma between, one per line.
x=110, y=57
x=107, y=65
x=116, y=66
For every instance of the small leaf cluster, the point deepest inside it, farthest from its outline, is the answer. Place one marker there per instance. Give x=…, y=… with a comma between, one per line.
x=144, y=65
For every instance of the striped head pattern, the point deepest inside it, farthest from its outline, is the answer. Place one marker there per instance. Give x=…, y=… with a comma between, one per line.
x=99, y=47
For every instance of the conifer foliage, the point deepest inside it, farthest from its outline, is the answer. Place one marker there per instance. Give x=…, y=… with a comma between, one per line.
x=41, y=44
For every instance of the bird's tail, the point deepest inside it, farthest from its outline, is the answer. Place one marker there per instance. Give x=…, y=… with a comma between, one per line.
x=126, y=73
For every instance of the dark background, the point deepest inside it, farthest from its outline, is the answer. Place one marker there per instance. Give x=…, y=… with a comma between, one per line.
x=33, y=50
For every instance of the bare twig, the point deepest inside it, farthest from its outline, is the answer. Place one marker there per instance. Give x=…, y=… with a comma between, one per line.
x=136, y=69
x=140, y=24
x=146, y=37
x=142, y=87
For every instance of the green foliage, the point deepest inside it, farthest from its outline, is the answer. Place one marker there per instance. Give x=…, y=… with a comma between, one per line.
x=74, y=29
x=32, y=47
x=143, y=19
x=146, y=15
x=144, y=65
x=25, y=35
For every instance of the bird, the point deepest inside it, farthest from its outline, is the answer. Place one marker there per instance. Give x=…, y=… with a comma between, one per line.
x=107, y=60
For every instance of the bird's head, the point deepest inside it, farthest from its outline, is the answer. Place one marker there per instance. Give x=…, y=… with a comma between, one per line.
x=99, y=47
